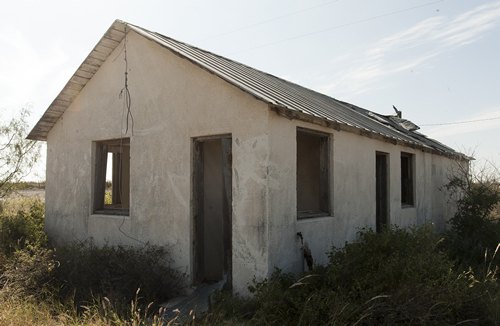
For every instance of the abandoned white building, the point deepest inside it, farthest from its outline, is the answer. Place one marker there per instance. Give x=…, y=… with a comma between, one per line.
x=225, y=164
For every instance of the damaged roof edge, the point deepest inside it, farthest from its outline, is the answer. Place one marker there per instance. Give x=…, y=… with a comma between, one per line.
x=289, y=114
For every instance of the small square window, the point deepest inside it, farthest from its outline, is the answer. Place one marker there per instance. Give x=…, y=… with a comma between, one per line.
x=407, y=179
x=112, y=177
x=313, y=174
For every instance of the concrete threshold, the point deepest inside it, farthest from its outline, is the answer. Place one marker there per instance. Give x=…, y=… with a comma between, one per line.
x=194, y=304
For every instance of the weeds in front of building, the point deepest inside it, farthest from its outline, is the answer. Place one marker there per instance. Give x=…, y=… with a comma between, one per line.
x=399, y=276
x=79, y=283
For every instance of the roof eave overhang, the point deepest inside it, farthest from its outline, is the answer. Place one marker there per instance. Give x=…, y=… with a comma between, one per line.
x=106, y=45
x=292, y=114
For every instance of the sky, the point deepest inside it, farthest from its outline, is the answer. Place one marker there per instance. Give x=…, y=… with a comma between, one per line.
x=436, y=61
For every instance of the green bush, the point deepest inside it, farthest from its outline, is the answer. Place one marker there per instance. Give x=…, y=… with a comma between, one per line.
x=395, y=277
x=475, y=229
x=85, y=273
x=402, y=276
x=115, y=272
x=82, y=272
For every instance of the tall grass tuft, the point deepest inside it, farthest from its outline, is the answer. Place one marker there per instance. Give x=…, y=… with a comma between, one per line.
x=21, y=225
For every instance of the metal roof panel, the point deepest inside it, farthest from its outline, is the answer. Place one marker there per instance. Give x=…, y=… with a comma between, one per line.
x=281, y=95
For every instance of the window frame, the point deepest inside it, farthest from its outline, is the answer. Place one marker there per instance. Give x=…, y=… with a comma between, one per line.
x=119, y=171
x=325, y=167
x=407, y=179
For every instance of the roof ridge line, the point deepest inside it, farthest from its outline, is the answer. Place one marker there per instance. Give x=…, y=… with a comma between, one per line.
x=302, y=103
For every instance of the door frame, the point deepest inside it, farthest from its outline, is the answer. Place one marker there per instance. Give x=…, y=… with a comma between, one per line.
x=382, y=205
x=197, y=207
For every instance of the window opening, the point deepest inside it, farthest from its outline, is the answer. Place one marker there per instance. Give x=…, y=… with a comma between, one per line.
x=112, y=177
x=313, y=174
x=407, y=179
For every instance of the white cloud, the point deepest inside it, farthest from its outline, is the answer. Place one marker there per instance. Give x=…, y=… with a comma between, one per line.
x=411, y=48
x=407, y=39
x=469, y=26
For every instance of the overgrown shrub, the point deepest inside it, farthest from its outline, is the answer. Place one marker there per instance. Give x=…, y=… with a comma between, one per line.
x=395, y=277
x=81, y=273
x=93, y=279
x=378, y=263
x=115, y=272
x=402, y=276
x=85, y=273
x=475, y=229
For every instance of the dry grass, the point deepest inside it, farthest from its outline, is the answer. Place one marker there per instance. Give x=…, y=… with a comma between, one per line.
x=27, y=311
x=18, y=202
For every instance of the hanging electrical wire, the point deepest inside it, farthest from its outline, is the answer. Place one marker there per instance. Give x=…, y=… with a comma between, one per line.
x=266, y=21
x=125, y=92
x=356, y=22
x=458, y=122
x=129, y=119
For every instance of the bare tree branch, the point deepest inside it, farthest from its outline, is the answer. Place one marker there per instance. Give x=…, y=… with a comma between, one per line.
x=18, y=155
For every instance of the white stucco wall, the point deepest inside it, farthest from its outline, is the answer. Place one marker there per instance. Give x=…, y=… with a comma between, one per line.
x=352, y=192
x=174, y=101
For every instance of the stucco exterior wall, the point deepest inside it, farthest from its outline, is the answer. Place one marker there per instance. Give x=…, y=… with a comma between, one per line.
x=172, y=102
x=352, y=191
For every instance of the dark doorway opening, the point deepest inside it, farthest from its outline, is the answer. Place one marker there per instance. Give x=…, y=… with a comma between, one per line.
x=382, y=190
x=212, y=190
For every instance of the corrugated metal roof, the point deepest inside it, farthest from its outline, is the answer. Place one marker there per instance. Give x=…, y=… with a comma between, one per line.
x=287, y=98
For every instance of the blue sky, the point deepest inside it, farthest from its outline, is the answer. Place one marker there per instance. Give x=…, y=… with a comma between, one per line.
x=437, y=61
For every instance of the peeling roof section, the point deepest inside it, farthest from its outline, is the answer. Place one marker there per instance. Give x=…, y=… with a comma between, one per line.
x=285, y=98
